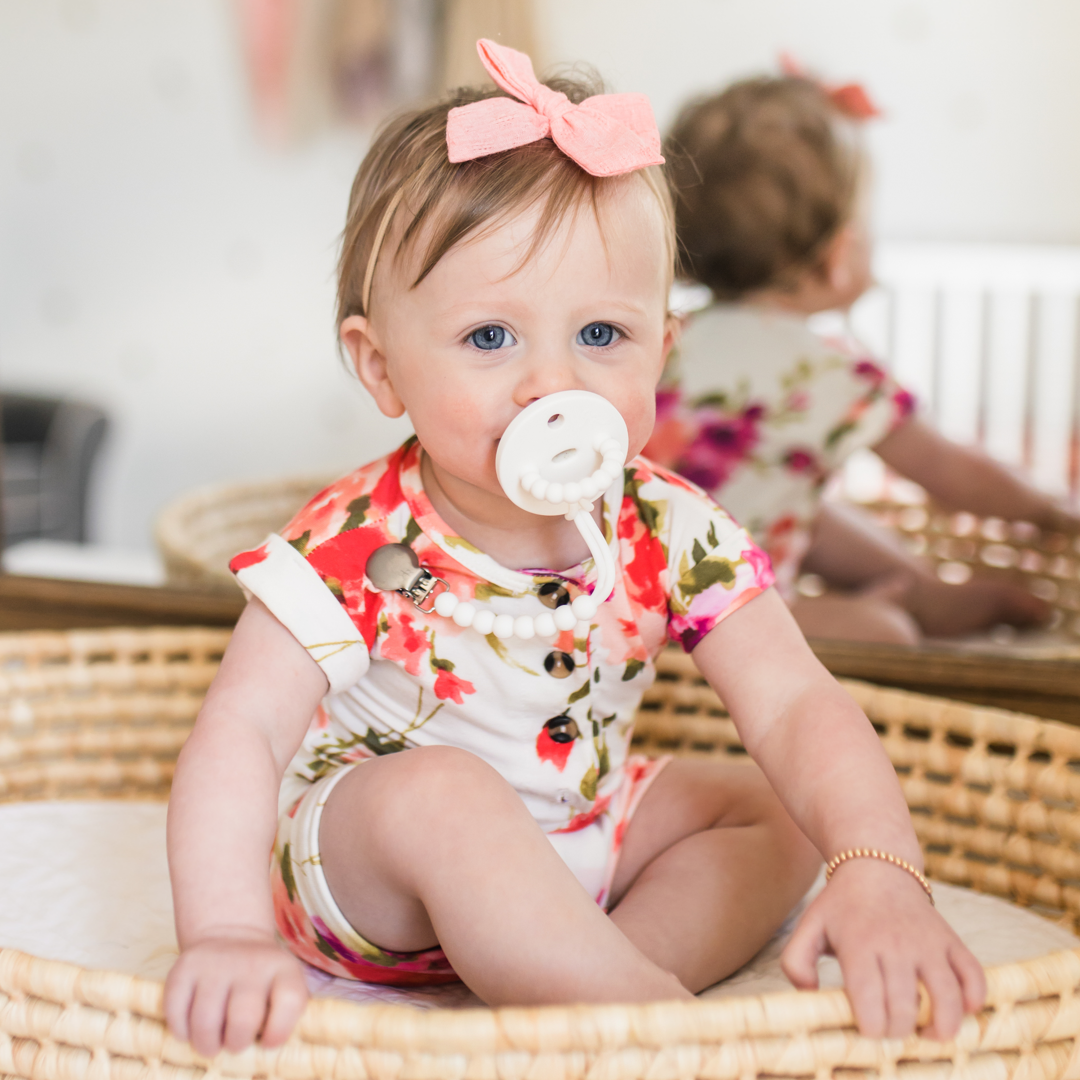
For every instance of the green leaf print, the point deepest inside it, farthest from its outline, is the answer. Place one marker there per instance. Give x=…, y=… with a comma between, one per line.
x=458, y=541
x=358, y=509
x=437, y=663
x=707, y=573
x=334, y=585
x=697, y=551
x=503, y=654
x=632, y=668
x=580, y=692
x=412, y=531
x=324, y=946
x=838, y=433
x=603, y=760
x=589, y=782
x=710, y=536
x=301, y=542
x=486, y=590
x=651, y=513
x=596, y=675
x=287, y=874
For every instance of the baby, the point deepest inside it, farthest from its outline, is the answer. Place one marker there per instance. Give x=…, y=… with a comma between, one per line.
x=771, y=213
x=425, y=711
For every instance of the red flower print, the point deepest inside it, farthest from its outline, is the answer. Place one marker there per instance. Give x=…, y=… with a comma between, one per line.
x=903, y=403
x=867, y=369
x=801, y=461
x=405, y=643
x=449, y=685
x=759, y=562
x=547, y=749
x=247, y=558
x=583, y=821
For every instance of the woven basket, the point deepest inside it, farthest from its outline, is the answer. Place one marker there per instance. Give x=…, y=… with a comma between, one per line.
x=995, y=801
x=198, y=533
x=960, y=544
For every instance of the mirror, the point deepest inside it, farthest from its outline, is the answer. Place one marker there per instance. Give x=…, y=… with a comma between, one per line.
x=175, y=180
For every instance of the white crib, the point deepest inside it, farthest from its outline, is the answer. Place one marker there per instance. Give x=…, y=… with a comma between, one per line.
x=987, y=336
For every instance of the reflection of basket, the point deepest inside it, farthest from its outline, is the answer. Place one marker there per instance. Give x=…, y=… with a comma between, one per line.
x=201, y=531
x=961, y=544
x=103, y=713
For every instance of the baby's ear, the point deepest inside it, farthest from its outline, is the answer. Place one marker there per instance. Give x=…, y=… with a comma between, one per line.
x=836, y=263
x=361, y=343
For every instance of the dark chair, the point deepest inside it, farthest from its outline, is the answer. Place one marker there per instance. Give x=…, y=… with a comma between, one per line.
x=48, y=453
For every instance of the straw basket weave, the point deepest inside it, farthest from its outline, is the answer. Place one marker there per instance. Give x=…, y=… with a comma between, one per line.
x=960, y=544
x=995, y=800
x=198, y=533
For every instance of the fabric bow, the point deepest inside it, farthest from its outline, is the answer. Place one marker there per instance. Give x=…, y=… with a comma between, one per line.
x=606, y=135
x=850, y=99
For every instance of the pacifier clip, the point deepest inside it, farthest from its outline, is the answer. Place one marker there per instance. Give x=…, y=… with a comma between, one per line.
x=557, y=456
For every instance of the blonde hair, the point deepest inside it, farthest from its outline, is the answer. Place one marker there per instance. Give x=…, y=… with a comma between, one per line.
x=765, y=174
x=408, y=164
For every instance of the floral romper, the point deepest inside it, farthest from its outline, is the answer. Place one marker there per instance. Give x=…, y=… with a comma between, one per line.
x=761, y=412
x=553, y=717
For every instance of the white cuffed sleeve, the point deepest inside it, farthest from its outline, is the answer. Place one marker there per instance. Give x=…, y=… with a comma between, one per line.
x=298, y=598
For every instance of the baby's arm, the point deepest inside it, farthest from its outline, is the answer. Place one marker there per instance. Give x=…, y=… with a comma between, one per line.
x=826, y=763
x=963, y=478
x=233, y=980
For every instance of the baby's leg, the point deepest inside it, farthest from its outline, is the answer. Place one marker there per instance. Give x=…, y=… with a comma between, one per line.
x=856, y=617
x=711, y=866
x=433, y=846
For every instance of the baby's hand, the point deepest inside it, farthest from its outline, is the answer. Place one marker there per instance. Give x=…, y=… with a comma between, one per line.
x=944, y=610
x=228, y=991
x=875, y=918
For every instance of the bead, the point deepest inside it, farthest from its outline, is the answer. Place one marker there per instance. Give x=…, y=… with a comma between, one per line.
x=584, y=607
x=544, y=625
x=524, y=628
x=589, y=490
x=540, y=488
x=553, y=594
x=572, y=492
x=503, y=627
x=445, y=603
x=554, y=493
x=602, y=478
x=529, y=481
x=559, y=664
x=464, y=614
x=484, y=622
x=609, y=447
x=565, y=619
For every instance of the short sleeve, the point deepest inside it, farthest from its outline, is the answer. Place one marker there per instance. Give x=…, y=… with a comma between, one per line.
x=278, y=575
x=713, y=565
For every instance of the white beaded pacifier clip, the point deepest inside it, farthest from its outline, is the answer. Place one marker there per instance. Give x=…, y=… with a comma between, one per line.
x=557, y=456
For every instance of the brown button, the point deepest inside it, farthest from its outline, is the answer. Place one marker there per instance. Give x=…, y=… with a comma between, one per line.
x=559, y=664
x=562, y=729
x=553, y=595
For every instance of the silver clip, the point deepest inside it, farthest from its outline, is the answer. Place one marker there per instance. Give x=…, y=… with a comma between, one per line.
x=395, y=568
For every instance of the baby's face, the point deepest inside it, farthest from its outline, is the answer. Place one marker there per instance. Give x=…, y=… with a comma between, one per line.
x=481, y=337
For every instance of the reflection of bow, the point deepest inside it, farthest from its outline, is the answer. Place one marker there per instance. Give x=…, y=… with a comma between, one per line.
x=606, y=135
x=851, y=99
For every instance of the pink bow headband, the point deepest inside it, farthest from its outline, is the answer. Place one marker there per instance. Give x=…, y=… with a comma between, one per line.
x=606, y=135
x=851, y=99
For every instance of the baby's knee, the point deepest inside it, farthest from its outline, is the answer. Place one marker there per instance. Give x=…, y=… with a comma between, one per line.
x=438, y=787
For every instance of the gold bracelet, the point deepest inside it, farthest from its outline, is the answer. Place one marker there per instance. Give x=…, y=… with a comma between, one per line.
x=872, y=853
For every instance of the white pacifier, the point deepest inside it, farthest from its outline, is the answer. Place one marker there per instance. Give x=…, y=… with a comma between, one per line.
x=557, y=456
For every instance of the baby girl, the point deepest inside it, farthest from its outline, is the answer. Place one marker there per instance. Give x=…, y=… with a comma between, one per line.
x=422, y=724
x=771, y=212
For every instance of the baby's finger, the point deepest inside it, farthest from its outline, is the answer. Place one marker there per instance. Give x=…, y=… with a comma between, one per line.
x=288, y=996
x=971, y=975
x=179, y=990
x=244, y=1017
x=865, y=986
x=901, y=996
x=943, y=985
x=206, y=1021
x=799, y=959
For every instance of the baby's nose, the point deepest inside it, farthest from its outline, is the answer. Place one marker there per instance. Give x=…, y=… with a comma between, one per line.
x=548, y=376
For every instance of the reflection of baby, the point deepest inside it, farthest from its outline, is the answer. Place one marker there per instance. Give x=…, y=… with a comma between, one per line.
x=464, y=803
x=771, y=216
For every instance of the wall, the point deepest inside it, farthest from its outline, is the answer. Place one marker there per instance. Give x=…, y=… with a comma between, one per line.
x=155, y=258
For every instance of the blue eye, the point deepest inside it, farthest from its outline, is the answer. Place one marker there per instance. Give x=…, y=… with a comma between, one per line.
x=598, y=334
x=491, y=337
